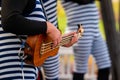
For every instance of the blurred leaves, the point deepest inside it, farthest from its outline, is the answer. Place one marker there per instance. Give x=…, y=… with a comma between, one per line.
x=61, y=17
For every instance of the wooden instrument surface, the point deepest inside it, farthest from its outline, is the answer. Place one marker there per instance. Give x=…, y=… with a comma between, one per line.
x=40, y=47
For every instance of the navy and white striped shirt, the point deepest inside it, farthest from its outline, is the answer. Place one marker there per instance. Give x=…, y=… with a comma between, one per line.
x=10, y=63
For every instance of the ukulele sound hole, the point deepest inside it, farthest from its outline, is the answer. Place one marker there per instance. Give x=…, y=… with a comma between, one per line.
x=29, y=57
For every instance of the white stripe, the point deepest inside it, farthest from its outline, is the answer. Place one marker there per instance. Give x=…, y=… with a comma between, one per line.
x=1, y=29
x=9, y=46
x=36, y=18
x=37, y=12
x=8, y=52
x=7, y=34
x=9, y=40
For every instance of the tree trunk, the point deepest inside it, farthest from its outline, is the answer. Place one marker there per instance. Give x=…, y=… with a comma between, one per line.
x=112, y=37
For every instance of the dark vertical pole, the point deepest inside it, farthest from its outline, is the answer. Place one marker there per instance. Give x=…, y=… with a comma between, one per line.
x=111, y=36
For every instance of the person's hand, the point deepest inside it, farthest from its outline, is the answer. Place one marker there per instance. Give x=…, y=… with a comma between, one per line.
x=54, y=34
x=73, y=40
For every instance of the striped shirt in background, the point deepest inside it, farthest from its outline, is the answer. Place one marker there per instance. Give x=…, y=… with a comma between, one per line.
x=91, y=41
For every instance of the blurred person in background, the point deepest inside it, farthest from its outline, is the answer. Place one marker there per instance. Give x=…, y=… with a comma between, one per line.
x=86, y=13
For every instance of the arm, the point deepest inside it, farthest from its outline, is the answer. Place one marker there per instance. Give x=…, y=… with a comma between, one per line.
x=13, y=20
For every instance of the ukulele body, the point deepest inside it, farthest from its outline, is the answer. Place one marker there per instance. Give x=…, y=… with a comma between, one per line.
x=39, y=49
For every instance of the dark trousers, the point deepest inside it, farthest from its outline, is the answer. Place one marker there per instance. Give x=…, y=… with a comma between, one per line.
x=103, y=74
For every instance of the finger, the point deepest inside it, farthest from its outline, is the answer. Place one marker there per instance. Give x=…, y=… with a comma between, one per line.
x=54, y=43
x=59, y=39
x=71, y=33
x=74, y=39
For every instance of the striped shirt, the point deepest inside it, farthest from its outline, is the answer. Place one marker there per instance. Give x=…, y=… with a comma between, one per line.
x=10, y=63
x=91, y=41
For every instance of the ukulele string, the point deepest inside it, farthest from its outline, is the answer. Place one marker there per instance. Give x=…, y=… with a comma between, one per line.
x=79, y=35
x=63, y=38
x=46, y=48
x=50, y=43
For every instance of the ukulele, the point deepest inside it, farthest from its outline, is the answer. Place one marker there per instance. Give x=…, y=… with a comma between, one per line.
x=38, y=47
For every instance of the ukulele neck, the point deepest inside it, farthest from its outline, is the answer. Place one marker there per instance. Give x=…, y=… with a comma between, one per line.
x=65, y=40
